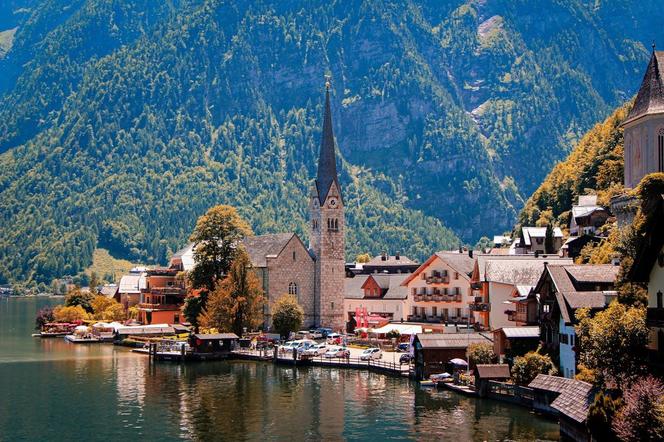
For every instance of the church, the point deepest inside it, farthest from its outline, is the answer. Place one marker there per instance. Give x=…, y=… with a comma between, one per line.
x=313, y=273
x=644, y=126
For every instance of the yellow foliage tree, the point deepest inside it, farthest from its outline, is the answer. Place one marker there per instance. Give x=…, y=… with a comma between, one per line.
x=100, y=304
x=115, y=312
x=237, y=302
x=72, y=313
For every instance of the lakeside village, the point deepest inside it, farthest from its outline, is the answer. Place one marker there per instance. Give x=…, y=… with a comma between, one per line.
x=522, y=321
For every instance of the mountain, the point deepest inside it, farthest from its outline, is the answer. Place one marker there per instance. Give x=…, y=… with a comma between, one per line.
x=122, y=121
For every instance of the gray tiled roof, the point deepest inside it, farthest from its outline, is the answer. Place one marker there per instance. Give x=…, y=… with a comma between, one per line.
x=258, y=247
x=377, y=261
x=515, y=269
x=460, y=262
x=391, y=282
x=449, y=340
x=650, y=98
x=521, y=332
x=493, y=371
x=550, y=383
x=604, y=273
x=567, y=295
x=353, y=287
x=574, y=401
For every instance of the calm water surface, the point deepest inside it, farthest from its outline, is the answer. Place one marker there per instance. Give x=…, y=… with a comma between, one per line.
x=51, y=390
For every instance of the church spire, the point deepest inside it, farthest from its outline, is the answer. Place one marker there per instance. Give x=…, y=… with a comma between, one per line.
x=327, y=162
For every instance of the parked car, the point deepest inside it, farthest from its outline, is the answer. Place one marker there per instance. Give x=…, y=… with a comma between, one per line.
x=304, y=344
x=371, y=353
x=337, y=352
x=334, y=338
x=288, y=346
x=316, y=350
x=324, y=332
x=302, y=334
x=403, y=347
x=405, y=358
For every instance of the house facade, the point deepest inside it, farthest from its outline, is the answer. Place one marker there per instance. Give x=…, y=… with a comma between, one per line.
x=379, y=297
x=648, y=269
x=563, y=289
x=439, y=290
x=533, y=240
x=162, y=298
x=495, y=279
x=587, y=216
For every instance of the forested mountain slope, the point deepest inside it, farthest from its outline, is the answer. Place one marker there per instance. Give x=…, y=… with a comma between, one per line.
x=122, y=121
x=595, y=166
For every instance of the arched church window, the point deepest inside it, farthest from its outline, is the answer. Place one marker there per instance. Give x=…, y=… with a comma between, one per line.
x=336, y=224
x=660, y=149
x=292, y=288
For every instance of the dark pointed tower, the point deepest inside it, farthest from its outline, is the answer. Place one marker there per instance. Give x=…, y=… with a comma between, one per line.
x=327, y=230
x=644, y=125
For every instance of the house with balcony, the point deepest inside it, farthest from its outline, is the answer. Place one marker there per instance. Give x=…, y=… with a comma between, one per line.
x=494, y=282
x=129, y=289
x=563, y=289
x=648, y=269
x=439, y=290
x=162, y=298
x=587, y=216
x=375, y=299
x=525, y=306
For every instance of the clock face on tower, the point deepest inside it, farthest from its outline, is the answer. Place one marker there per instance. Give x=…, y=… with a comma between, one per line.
x=333, y=202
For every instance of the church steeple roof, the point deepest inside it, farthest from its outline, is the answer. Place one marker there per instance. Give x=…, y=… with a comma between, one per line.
x=650, y=98
x=327, y=162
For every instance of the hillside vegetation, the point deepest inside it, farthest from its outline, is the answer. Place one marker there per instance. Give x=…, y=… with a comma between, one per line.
x=123, y=121
x=595, y=166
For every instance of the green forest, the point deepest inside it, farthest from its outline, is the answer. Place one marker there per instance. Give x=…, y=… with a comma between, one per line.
x=121, y=122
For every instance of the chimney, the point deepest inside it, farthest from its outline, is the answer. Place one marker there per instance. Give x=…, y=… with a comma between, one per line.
x=460, y=249
x=470, y=253
x=397, y=256
x=383, y=256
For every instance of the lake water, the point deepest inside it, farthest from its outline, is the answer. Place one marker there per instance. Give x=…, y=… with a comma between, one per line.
x=51, y=390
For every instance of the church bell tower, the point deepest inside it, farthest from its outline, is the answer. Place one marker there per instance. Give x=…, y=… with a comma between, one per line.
x=327, y=231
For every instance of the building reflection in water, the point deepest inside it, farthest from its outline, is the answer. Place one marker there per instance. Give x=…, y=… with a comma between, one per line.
x=250, y=401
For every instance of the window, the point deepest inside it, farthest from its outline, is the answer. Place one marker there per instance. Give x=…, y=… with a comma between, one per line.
x=293, y=255
x=332, y=224
x=292, y=288
x=660, y=149
x=659, y=299
x=434, y=311
x=456, y=275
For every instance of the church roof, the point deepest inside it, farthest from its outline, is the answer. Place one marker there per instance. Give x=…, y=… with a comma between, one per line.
x=261, y=247
x=650, y=98
x=327, y=163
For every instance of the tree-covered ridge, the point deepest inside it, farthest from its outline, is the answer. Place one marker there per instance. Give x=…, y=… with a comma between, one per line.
x=176, y=106
x=595, y=166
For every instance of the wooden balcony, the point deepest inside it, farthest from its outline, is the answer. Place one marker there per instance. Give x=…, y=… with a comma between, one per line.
x=165, y=307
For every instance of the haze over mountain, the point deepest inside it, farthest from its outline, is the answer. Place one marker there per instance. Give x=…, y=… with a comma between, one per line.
x=121, y=122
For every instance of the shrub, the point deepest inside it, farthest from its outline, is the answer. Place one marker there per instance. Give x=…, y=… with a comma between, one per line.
x=72, y=313
x=287, y=315
x=480, y=353
x=526, y=368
